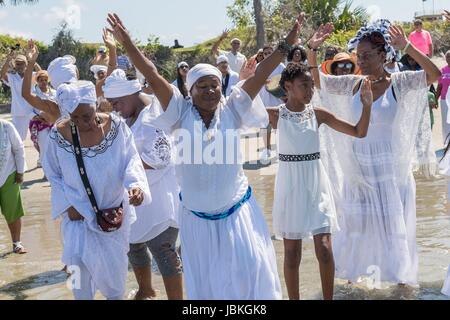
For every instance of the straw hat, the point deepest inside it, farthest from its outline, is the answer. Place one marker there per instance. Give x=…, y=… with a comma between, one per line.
x=340, y=57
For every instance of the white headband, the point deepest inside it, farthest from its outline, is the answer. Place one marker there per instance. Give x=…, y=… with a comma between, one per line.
x=201, y=70
x=221, y=59
x=62, y=69
x=70, y=95
x=182, y=63
x=117, y=85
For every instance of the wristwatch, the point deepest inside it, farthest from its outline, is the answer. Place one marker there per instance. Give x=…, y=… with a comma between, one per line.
x=309, y=47
x=284, y=47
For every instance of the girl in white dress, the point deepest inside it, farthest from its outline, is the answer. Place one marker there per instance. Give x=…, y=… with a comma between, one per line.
x=303, y=202
x=373, y=177
x=226, y=247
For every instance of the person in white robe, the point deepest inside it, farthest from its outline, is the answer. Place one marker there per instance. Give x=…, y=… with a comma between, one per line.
x=227, y=252
x=156, y=227
x=12, y=167
x=96, y=259
x=229, y=78
x=444, y=166
x=373, y=177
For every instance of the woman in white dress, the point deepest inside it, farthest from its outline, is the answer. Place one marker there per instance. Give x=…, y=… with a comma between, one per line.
x=96, y=259
x=373, y=177
x=303, y=200
x=156, y=227
x=227, y=251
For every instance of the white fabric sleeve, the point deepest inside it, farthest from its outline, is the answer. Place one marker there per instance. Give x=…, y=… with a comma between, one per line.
x=157, y=151
x=53, y=172
x=134, y=173
x=170, y=119
x=17, y=148
x=248, y=113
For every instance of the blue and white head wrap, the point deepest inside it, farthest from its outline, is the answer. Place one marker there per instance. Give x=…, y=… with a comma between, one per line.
x=380, y=26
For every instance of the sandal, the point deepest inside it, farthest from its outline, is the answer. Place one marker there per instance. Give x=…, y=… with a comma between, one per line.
x=19, y=248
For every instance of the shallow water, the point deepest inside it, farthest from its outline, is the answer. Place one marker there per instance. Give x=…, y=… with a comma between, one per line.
x=37, y=274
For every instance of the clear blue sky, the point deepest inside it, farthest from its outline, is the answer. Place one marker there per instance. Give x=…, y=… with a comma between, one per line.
x=189, y=21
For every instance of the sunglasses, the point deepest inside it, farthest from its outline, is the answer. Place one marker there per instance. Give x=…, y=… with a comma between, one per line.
x=347, y=65
x=184, y=67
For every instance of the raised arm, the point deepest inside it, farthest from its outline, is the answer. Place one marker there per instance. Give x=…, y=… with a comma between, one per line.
x=400, y=42
x=50, y=107
x=360, y=129
x=4, y=71
x=110, y=43
x=314, y=43
x=254, y=83
x=215, y=47
x=163, y=90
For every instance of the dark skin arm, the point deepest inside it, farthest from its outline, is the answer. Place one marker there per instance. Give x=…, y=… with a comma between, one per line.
x=49, y=107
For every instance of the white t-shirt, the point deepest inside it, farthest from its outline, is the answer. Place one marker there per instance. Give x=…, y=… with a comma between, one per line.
x=235, y=61
x=19, y=106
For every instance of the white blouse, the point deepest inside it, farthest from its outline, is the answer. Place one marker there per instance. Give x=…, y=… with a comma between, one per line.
x=208, y=161
x=12, y=152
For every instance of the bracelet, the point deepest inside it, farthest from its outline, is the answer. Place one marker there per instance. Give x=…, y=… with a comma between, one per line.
x=407, y=46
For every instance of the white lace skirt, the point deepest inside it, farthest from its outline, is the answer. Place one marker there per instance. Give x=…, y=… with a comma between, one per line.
x=378, y=221
x=231, y=258
x=303, y=201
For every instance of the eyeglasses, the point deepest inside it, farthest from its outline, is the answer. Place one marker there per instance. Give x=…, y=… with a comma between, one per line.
x=342, y=65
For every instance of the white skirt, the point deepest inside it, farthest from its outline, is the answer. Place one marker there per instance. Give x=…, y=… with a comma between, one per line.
x=378, y=221
x=446, y=287
x=303, y=201
x=231, y=258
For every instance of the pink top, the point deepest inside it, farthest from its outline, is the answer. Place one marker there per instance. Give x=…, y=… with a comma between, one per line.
x=444, y=80
x=421, y=40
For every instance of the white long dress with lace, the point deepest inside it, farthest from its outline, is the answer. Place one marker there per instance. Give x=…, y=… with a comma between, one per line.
x=303, y=200
x=373, y=176
x=230, y=258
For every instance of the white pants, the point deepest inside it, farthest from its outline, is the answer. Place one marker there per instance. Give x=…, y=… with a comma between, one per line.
x=21, y=123
x=83, y=287
x=445, y=120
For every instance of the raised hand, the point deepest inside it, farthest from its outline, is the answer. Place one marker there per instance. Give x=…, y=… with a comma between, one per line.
x=366, y=93
x=293, y=35
x=32, y=52
x=119, y=31
x=108, y=39
x=398, y=37
x=319, y=37
x=225, y=33
x=248, y=69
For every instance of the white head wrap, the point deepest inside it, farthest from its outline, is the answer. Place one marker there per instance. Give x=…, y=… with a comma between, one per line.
x=62, y=70
x=235, y=39
x=70, y=95
x=201, y=70
x=96, y=68
x=117, y=85
x=221, y=59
